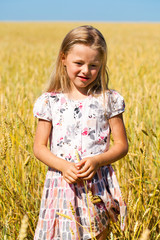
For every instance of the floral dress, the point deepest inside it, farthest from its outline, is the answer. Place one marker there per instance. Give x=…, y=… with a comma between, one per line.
x=80, y=210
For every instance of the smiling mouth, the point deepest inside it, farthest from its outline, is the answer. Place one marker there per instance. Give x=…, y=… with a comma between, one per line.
x=83, y=78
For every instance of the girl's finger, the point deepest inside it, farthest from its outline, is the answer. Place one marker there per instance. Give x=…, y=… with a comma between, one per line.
x=72, y=175
x=85, y=173
x=89, y=177
x=81, y=163
x=83, y=169
x=69, y=179
x=73, y=171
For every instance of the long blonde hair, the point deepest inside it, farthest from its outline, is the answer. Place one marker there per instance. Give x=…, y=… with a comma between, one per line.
x=88, y=36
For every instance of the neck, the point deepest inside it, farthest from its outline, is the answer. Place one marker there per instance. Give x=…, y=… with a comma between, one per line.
x=77, y=93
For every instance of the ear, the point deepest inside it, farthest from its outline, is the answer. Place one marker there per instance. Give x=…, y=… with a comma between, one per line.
x=63, y=57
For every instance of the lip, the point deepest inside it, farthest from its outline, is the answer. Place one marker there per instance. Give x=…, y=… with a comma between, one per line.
x=84, y=79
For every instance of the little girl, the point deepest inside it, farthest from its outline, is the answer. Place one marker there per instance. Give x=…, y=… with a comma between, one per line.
x=77, y=114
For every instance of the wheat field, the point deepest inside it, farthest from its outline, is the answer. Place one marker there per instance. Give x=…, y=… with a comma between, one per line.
x=27, y=55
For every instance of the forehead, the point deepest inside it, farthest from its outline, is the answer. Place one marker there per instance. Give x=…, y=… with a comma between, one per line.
x=84, y=51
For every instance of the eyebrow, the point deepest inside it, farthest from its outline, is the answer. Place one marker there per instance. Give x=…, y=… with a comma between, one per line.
x=81, y=60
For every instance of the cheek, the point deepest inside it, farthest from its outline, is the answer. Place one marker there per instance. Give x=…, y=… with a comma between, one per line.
x=70, y=67
x=95, y=73
x=74, y=70
x=71, y=71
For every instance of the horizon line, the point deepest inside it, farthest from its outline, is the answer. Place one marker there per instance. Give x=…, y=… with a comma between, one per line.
x=72, y=21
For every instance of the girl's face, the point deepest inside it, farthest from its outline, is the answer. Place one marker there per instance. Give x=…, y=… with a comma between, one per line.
x=82, y=64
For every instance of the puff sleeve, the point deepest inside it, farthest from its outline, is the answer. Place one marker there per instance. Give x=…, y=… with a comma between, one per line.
x=42, y=108
x=116, y=104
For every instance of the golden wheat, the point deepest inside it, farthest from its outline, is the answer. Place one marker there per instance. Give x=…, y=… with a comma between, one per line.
x=145, y=235
x=28, y=50
x=23, y=229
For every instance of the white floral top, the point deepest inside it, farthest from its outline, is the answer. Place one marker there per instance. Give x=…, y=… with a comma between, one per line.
x=79, y=124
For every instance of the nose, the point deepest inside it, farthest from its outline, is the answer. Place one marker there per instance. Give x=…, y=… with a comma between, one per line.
x=85, y=69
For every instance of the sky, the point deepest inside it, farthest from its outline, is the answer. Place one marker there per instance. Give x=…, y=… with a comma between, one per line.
x=81, y=10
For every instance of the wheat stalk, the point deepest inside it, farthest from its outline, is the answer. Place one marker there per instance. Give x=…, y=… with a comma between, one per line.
x=136, y=228
x=70, y=218
x=145, y=235
x=86, y=191
x=64, y=215
x=111, y=236
x=23, y=229
x=73, y=212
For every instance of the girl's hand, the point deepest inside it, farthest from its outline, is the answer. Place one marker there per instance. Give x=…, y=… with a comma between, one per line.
x=69, y=173
x=87, y=168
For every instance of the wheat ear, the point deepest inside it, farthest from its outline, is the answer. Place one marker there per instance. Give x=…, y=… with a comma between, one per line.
x=23, y=229
x=145, y=235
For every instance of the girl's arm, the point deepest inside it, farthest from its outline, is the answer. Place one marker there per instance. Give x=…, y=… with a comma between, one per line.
x=89, y=166
x=41, y=152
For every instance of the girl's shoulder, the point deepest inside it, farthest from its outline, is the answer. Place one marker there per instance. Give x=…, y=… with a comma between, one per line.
x=115, y=103
x=110, y=95
x=42, y=106
x=47, y=96
x=113, y=93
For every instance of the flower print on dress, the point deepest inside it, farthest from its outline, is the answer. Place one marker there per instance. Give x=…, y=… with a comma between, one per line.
x=92, y=134
x=85, y=131
x=94, y=106
x=56, y=99
x=77, y=112
x=73, y=129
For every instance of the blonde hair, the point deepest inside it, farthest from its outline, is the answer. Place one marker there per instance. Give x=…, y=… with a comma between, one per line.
x=88, y=36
